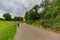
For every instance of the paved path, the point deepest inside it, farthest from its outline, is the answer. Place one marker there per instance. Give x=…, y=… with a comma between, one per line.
x=27, y=32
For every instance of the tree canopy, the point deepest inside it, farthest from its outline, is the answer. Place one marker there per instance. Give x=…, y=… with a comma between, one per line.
x=49, y=16
x=7, y=17
x=18, y=18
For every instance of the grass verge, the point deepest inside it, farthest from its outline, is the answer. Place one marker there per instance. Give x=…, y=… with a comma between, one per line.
x=7, y=30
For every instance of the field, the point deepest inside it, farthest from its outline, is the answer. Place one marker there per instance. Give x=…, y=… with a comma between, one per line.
x=7, y=30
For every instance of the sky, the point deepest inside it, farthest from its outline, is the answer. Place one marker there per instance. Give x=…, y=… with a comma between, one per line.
x=16, y=7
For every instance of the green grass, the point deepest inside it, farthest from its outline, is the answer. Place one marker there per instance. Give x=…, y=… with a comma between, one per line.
x=7, y=30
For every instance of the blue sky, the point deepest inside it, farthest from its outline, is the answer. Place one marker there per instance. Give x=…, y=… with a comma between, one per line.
x=17, y=7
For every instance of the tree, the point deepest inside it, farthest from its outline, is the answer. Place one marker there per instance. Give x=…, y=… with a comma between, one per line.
x=46, y=3
x=36, y=7
x=54, y=9
x=57, y=19
x=18, y=18
x=56, y=26
x=7, y=16
x=31, y=15
x=26, y=14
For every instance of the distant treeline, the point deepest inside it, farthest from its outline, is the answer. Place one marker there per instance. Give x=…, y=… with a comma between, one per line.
x=7, y=17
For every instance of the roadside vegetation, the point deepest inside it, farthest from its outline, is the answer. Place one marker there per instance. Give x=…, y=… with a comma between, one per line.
x=8, y=17
x=7, y=30
x=8, y=26
x=45, y=15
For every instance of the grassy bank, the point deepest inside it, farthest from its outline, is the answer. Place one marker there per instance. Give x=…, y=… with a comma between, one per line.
x=7, y=30
x=54, y=28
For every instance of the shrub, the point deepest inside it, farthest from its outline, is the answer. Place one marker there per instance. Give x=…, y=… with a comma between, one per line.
x=57, y=19
x=56, y=26
x=47, y=23
x=29, y=21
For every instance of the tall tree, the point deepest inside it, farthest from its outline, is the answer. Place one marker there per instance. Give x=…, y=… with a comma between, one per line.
x=54, y=9
x=26, y=16
x=7, y=16
x=35, y=8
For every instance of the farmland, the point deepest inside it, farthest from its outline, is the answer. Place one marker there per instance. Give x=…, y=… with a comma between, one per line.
x=7, y=30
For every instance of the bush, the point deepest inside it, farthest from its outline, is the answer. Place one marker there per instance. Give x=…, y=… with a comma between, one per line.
x=47, y=23
x=29, y=21
x=1, y=19
x=57, y=19
x=56, y=26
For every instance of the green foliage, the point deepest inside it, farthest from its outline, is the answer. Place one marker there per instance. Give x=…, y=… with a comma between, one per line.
x=7, y=30
x=1, y=19
x=47, y=23
x=50, y=16
x=29, y=21
x=56, y=26
x=7, y=17
x=31, y=16
x=53, y=11
x=26, y=16
x=18, y=18
x=45, y=3
x=36, y=7
x=57, y=19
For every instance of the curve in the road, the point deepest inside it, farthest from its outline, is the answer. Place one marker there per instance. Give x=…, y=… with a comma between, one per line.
x=27, y=32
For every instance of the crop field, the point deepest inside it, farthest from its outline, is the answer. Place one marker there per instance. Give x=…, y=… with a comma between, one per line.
x=7, y=30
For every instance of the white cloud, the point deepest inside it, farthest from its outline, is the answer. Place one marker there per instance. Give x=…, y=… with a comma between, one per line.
x=23, y=1
x=16, y=6
x=1, y=13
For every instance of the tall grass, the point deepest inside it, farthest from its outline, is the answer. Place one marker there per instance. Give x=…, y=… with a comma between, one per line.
x=7, y=30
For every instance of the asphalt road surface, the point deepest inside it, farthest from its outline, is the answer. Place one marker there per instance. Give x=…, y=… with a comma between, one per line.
x=27, y=32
